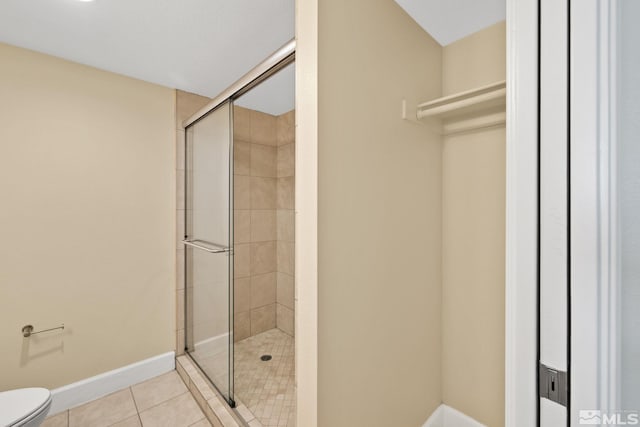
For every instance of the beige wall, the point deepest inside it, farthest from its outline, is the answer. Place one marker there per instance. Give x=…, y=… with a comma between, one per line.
x=88, y=219
x=473, y=222
x=476, y=60
x=379, y=218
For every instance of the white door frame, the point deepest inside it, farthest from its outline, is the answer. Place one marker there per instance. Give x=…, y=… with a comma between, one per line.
x=521, y=214
x=593, y=23
x=594, y=219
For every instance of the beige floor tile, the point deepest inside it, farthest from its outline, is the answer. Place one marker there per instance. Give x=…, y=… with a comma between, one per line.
x=181, y=411
x=58, y=420
x=129, y=422
x=201, y=423
x=104, y=412
x=158, y=390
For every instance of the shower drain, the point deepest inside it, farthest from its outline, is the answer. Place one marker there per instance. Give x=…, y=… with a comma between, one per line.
x=265, y=357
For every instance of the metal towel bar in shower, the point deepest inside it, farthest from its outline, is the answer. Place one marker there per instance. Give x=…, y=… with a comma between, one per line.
x=206, y=246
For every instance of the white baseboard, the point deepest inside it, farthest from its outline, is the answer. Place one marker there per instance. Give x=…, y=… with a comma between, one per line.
x=92, y=388
x=446, y=416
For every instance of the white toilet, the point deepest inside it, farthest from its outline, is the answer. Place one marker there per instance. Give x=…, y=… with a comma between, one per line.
x=25, y=407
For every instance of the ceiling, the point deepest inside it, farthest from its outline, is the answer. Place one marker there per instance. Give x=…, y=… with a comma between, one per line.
x=200, y=46
x=451, y=20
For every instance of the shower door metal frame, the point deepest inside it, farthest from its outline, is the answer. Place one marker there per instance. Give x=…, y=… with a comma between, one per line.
x=267, y=68
x=215, y=249
x=270, y=66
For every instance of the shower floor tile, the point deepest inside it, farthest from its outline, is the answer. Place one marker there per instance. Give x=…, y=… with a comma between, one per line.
x=267, y=388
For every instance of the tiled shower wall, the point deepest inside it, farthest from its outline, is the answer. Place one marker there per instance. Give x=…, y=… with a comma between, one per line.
x=263, y=215
x=264, y=168
x=263, y=221
x=285, y=222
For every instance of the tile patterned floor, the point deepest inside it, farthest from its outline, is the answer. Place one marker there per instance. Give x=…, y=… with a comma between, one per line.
x=163, y=401
x=267, y=389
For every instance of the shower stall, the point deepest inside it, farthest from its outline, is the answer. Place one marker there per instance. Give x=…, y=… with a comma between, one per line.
x=238, y=215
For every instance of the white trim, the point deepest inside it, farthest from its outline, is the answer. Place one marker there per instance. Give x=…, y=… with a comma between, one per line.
x=595, y=293
x=446, y=416
x=610, y=380
x=92, y=388
x=306, y=213
x=553, y=187
x=521, y=218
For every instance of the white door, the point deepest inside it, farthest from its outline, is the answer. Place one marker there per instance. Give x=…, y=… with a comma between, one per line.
x=590, y=210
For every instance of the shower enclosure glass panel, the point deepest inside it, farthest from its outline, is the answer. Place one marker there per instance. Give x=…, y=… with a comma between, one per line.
x=209, y=246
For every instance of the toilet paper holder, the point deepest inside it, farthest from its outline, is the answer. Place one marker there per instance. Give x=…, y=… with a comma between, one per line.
x=27, y=330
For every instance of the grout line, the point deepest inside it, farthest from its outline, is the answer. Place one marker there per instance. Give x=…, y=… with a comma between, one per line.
x=133, y=397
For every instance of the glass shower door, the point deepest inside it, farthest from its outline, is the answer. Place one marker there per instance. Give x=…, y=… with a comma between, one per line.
x=209, y=246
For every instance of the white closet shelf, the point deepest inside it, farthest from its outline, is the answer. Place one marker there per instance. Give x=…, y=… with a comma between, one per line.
x=472, y=109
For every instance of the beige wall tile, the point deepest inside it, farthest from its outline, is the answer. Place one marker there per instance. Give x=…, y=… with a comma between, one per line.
x=188, y=266
x=285, y=193
x=242, y=294
x=286, y=257
x=241, y=192
x=180, y=268
x=241, y=123
x=288, y=119
x=286, y=160
x=241, y=158
x=241, y=325
x=105, y=411
x=284, y=319
x=263, y=193
x=180, y=308
x=157, y=390
x=187, y=104
x=263, y=160
x=263, y=128
x=180, y=343
x=263, y=319
x=242, y=260
x=285, y=290
x=285, y=136
x=180, y=149
x=263, y=225
x=242, y=226
x=285, y=133
x=263, y=257
x=181, y=411
x=188, y=323
x=180, y=230
x=180, y=190
x=285, y=225
x=263, y=289
x=188, y=135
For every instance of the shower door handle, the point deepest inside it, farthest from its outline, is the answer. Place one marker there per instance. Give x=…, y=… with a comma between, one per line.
x=206, y=246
